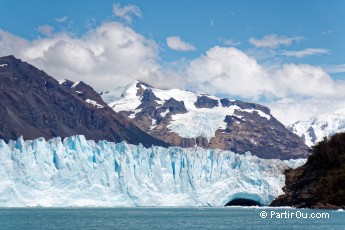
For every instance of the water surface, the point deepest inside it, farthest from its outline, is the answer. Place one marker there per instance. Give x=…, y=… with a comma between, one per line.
x=166, y=218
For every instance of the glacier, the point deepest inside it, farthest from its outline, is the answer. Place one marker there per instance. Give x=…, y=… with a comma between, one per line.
x=76, y=172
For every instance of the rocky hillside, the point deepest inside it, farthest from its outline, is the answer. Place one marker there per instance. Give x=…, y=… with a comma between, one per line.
x=33, y=104
x=186, y=119
x=316, y=128
x=320, y=183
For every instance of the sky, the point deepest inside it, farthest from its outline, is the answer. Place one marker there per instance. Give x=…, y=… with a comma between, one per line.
x=288, y=55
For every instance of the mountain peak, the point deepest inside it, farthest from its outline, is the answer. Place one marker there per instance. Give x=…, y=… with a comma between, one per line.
x=316, y=128
x=184, y=118
x=141, y=83
x=33, y=104
x=137, y=84
x=10, y=57
x=10, y=61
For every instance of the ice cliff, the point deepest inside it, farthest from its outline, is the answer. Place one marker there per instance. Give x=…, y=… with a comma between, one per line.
x=77, y=172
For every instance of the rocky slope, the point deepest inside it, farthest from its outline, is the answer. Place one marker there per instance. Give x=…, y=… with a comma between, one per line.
x=184, y=118
x=33, y=104
x=316, y=128
x=320, y=183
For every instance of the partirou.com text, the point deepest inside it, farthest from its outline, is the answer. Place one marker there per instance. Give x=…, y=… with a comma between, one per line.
x=293, y=214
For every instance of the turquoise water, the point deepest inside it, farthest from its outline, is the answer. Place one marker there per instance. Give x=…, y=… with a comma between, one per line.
x=168, y=218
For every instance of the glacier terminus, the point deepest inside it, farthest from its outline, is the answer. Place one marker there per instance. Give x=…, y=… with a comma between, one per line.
x=76, y=172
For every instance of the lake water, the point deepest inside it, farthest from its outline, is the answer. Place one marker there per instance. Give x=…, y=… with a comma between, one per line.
x=169, y=218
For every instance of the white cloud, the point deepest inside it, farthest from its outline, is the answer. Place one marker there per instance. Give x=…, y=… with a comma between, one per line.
x=62, y=19
x=293, y=91
x=228, y=42
x=126, y=12
x=176, y=43
x=334, y=68
x=113, y=55
x=228, y=71
x=327, y=32
x=109, y=56
x=303, y=81
x=274, y=41
x=231, y=71
x=11, y=44
x=46, y=30
x=288, y=111
x=305, y=52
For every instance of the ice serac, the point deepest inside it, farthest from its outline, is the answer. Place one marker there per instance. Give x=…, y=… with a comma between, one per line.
x=184, y=118
x=77, y=172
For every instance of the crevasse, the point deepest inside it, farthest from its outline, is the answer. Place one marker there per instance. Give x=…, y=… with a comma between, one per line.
x=78, y=172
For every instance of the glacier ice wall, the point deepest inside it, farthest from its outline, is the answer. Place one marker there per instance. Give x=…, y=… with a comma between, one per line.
x=77, y=172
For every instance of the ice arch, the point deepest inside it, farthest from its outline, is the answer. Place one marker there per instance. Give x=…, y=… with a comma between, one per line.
x=245, y=199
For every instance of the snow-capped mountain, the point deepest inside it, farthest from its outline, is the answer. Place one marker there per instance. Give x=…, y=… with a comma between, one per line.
x=184, y=118
x=77, y=172
x=316, y=128
x=33, y=104
x=113, y=95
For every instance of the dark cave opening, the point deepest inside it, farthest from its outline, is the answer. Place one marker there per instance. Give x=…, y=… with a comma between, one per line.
x=243, y=202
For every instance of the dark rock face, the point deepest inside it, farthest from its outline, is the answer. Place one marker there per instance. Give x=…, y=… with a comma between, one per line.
x=266, y=138
x=148, y=99
x=33, y=104
x=248, y=105
x=68, y=83
x=175, y=107
x=320, y=183
x=84, y=91
x=311, y=133
x=87, y=92
x=226, y=102
x=246, y=130
x=205, y=102
x=262, y=137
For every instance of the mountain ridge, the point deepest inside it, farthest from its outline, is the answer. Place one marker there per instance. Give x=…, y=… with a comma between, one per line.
x=184, y=118
x=316, y=128
x=33, y=104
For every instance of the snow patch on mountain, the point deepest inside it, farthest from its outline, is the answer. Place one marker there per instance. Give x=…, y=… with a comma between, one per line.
x=129, y=100
x=196, y=122
x=75, y=84
x=201, y=121
x=3, y=65
x=113, y=95
x=316, y=128
x=163, y=114
x=62, y=81
x=94, y=103
x=77, y=172
x=132, y=115
x=262, y=114
x=153, y=124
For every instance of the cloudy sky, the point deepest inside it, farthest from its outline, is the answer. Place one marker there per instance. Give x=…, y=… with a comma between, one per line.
x=288, y=55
